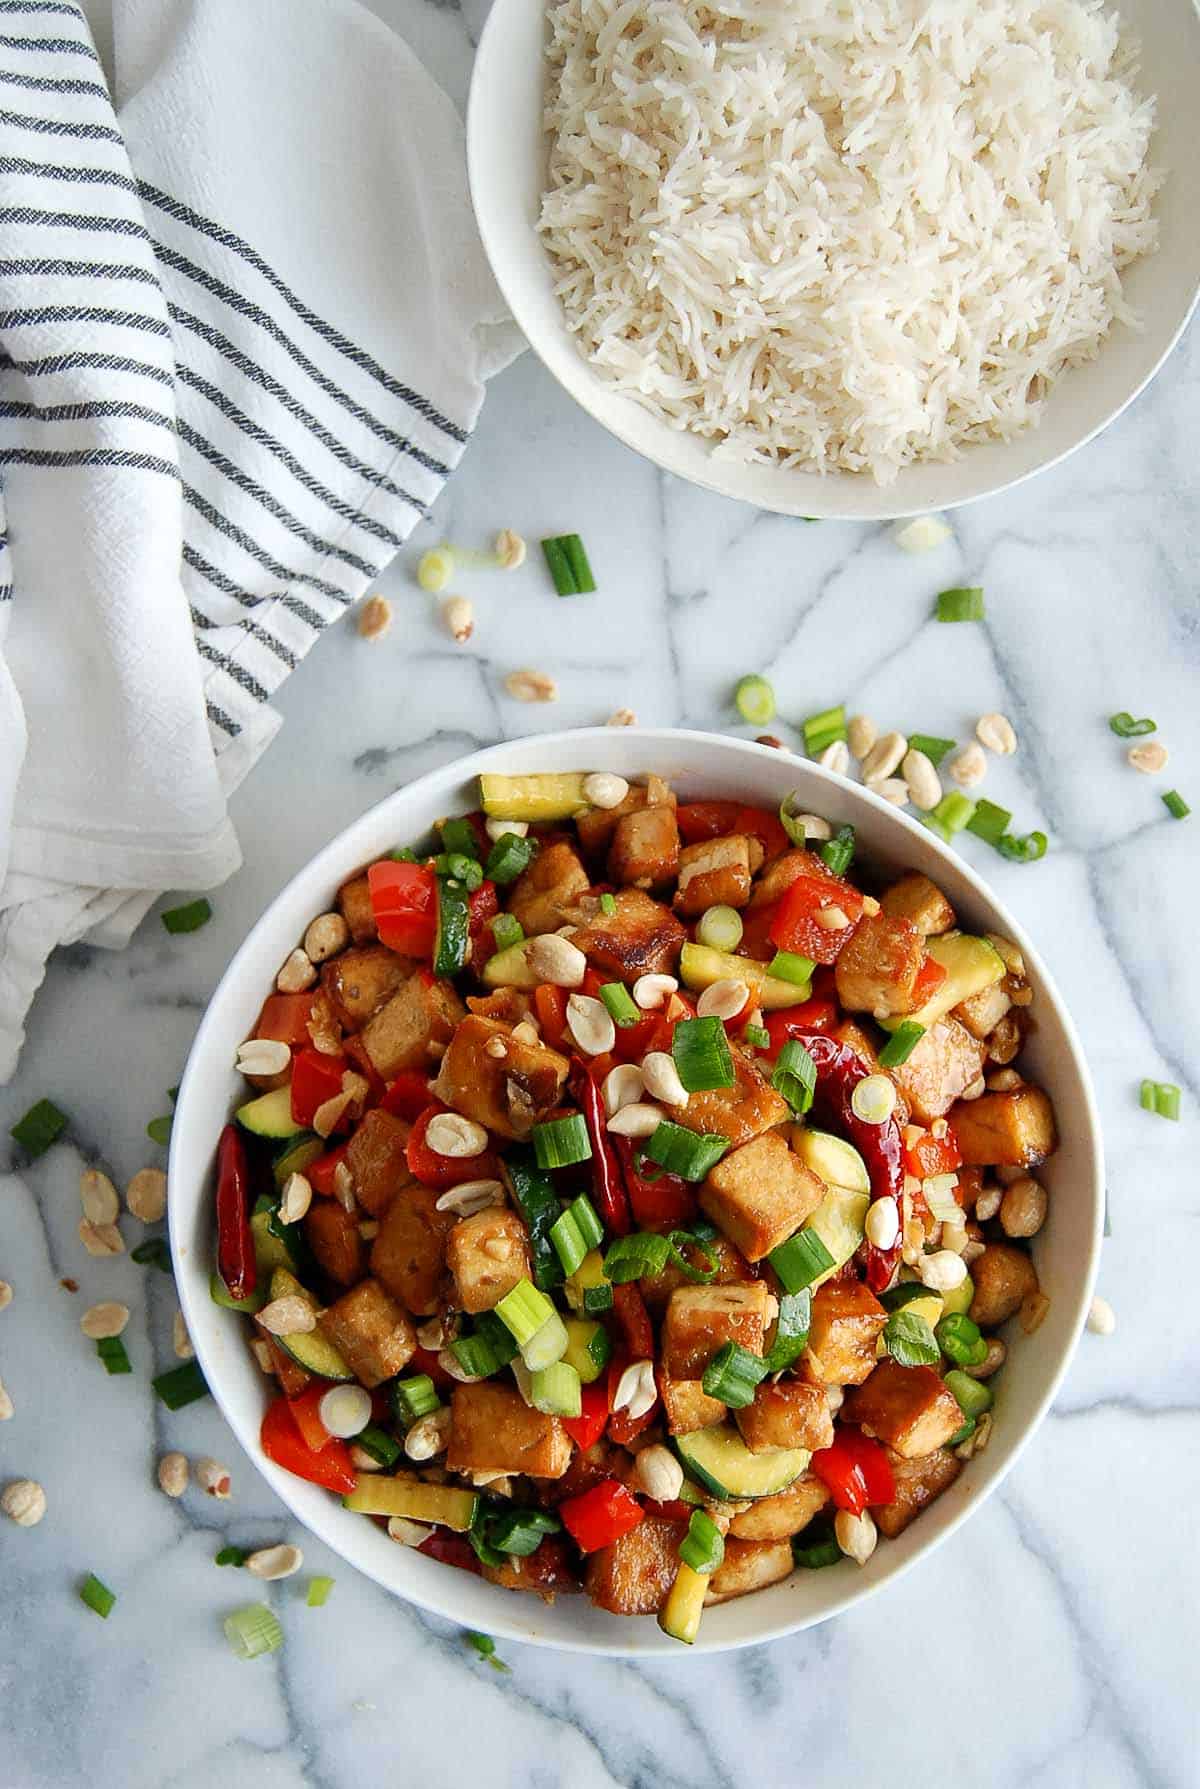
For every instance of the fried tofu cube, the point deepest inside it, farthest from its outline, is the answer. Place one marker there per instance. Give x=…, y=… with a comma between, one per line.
x=759, y=1194
x=595, y=828
x=787, y=1513
x=493, y=1429
x=332, y=1234
x=408, y=1256
x=371, y=1330
x=712, y=873
x=645, y=849
x=408, y=1031
x=360, y=980
x=509, y=1005
x=508, y=1092
x=909, y=1408
x=741, y=1112
x=921, y=902
x=847, y=1321
x=542, y=893
x=918, y=1483
x=488, y=1254
x=878, y=966
x=635, y=1574
x=982, y=1012
x=778, y=877
x=939, y=1070
x=356, y=908
x=1003, y=1278
x=377, y=1160
x=748, y=1566
x=642, y=937
x=731, y=1267
x=687, y=1405
x=788, y=1414
x=1005, y=1130
x=700, y=1319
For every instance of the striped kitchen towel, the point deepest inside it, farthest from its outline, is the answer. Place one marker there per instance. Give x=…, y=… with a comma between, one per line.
x=245, y=322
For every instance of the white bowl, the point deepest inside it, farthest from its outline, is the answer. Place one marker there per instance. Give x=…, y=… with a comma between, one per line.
x=697, y=764
x=506, y=151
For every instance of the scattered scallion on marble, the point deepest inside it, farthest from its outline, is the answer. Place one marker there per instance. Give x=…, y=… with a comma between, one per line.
x=754, y=700
x=253, y=1631
x=1175, y=805
x=1125, y=727
x=41, y=1126
x=188, y=918
x=964, y=603
x=1161, y=1098
x=485, y=1646
x=97, y=1596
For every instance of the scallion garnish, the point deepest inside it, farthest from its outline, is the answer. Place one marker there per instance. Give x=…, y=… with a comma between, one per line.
x=454, y=867
x=791, y=1330
x=816, y=1546
x=823, y=730
x=188, y=918
x=989, y=822
x=231, y=1556
x=97, y=1596
x=952, y=814
x=837, y=853
x=319, y=1589
x=800, y=1260
x=636, y=1257
x=412, y=1399
x=1022, y=850
x=754, y=700
x=795, y=1076
x=154, y=1252
x=403, y=854
x=476, y=1356
x=1175, y=805
x=786, y=965
x=963, y=604
x=703, y=1546
x=690, y=1154
x=182, y=1385
x=909, y=1340
x=521, y=1531
x=608, y=904
x=733, y=1375
x=901, y=1044
x=1125, y=727
x=790, y=820
x=702, y=1056
x=560, y=1142
x=485, y=1646
x=576, y=1232
x=757, y=1036
x=523, y=1311
x=509, y=858
x=41, y=1126
x=111, y=1350
x=253, y=1631
x=568, y=563
x=159, y=1130
x=935, y=749
x=1161, y=1098
x=623, y=1010
x=688, y=1239
x=507, y=930
x=961, y=1340
x=720, y=928
x=459, y=837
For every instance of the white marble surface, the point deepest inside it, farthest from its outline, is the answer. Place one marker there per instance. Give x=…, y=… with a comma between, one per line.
x=1053, y=1642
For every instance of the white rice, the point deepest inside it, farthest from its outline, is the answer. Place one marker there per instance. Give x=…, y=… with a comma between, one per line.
x=843, y=233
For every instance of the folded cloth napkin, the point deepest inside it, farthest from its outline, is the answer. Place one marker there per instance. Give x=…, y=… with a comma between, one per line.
x=245, y=322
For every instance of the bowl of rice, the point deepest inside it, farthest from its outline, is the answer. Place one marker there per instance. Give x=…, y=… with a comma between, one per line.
x=852, y=258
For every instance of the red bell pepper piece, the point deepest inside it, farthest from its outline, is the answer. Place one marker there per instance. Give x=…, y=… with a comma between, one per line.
x=482, y=907
x=795, y=926
x=321, y=1175
x=282, y=1442
x=451, y=1549
x=930, y=977
x=235, y=1239
x=293, y=1380
x=855, y=1470
x=550, y=1009
x=661, y=1202
x=699, y=820
x=445, y=1171
x=928, y=1155
x=793, y=1021
x=586, y=1428
x=307, y=1417
x=315, y=1079
x=284, y=1019
x=404, y=901
x=407, y=1096
x=598, y=1517
x=608, y=1189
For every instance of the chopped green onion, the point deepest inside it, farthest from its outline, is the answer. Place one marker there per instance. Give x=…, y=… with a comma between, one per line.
x=795, y=1076
x=1026, y=850
x=699, y=1276
x=757, y=1036
x=816, y=1545
x=159, y=1130
x=41, y=1126
x=1125, y=727
x=791, y=1330
x=608, y=905
x=539, y=1206
x=960, y=604
x=701, y=1052
x=435, y=569
x=454, y=867
x=476, y=1355
x=560, y=1142
x=935, y=749
x=97, y=1596
x=597, y=1299
x=379, y=1444
x=413, y=1398
x=952, y=813
x=188, y=918
x=1175, y=805
x=703, y=1546
x=823, y=730
x=963, y=1434
x=901, y=1044
x=459, y=837
x=154, y=1252
x=800, y=1260
x=690, y=1154
x=568, y=563
x=253, y=1631
x=556, y=1390
x=754, y=700
x=590, y=1227
x=623, y=1010
x=790, y=820
x=507, y=930
x=319, y=1588
x=837, y=853
x=1161, y=1098
x=521, y=1531
x=786, y=965
x=960, y=1340
x=111, y=1350
x=720, y=928
x=182, y=1385
x=231, y=1556
x=568, y=1241
x=485, y=1646
x=523, y=1311
x=909, y=1340
x=733, y=1375
x=509, y=858
x=547, y=1345
x=403, y=854
x=636, y=1257
x=973, y=1397
x=989, y=822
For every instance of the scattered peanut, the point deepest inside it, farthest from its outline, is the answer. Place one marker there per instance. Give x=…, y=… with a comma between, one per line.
x=531, y=686
x=1149, y=758
x=605, y=790
x=343, y=1188
x=6, y=1404
x=942, y=1271
x=884, y=757
x=23, y=1502
x=1101, y=1319
x=557, y=960
x=101, y=1239
x=636, y=1120
x=622, y=717
x=832, y=918
x=591, y=1024
x=6, y=1295
x=1033, y=1312
x=270, y=1563
x=295, y=1199
x=857, y=1536
x=988, y=1203
x=375, y=617
x=98, y=1197
x=968, y=766
x=636, y=1390
x=510, y=549
x=996, y=732
x=1023, y=1208
x=836, y=757
x=465, y=1200
x=327, y=934
x=146, y=1195
x=101, y=1320
x=924, y=783
x=892, y=789
x=297, y=974
x=861, y=734
x=429, y=1435
x=652, y=991
x=449, y=1133
x=723, y=999
x=213, y=1478
x=662, y=1078
x=181, y=1341
x=623, y=1086
x=658, y=1473
x=406, y=1533
x=458, y=617
x=173, y=1474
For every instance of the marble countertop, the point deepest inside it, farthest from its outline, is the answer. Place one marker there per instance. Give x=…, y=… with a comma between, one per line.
x=1052, y=1641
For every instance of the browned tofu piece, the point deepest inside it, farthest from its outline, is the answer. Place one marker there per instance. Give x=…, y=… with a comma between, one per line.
x=371, y=1330
x=641, y=938
x=778, y=877
x=982, y=1012
x=634, y=1575
x=509, y=1005
x=741, y=1112
x=700, y=1319
x=324, y=1026
x=847, y=1321
x=332, y=1234
x=731, y=1265
x=921, y=902
x=713, y=873
x=1009, y=1130
x=788, y=1413
x=918, y=1482
x=409, y=1254
x=941, y=1067
x=493, y=1429
x=360, y=980
x=864, y=1047
x=542, y=893
x=775, y=1518
x=747, y=1566
x=759, y=1194
x=1003, y=1277
x=907, y=1407
x=878, y=966
x=488, y=1254
x=407, y=1031
x=507, y=1094
x=377, y=1160
x=354, y=904
x=688, y=1406
x=645, y=849
x=595, y=828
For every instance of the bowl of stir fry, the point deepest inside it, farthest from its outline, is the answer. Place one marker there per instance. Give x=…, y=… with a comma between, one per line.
x=635, y=1190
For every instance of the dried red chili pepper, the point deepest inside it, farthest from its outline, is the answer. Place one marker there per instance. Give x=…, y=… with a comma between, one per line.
x=235, y=1240
x=608, y=1189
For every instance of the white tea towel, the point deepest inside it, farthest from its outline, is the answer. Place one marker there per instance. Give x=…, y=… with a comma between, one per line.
x=245, y=322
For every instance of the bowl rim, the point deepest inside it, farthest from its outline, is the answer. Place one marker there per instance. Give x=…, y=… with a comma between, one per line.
x=591, y=394
x=192, y=1276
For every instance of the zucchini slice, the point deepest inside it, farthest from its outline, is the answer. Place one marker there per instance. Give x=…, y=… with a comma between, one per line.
x=270, y=1115
x=312, y=1351
x=700, y=967
x=295, y=1157
x=724, y=1465
x=832, y=1159
x=680, y=1614
x=839, y=1221
x=971, y=965
x=510, y=968
x=549, y=797
x=446, y=1505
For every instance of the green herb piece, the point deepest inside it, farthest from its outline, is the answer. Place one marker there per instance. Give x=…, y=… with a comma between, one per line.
x=837, y=853
x=568, y=563
x=699, y=1276
x=816, y=1545
x=901, y=1044
x=111, y=1350
x=575, y=1232
x=97, y=1596
x=1022, y=850
x=909, y=1340
x=231, y=1556
x=636, y=1257
x=720, y=928
x=41, y=1126
x=703, y=1546
x=1125, y=727
x=560, y=1142
x=523, y=1311
x=182, y=1385
x=973, y=1397
x=159, y=1130
x=485, y=1646
x=702, y=1055
x=690, y=1154
x=989, y=822
x=458, y=837
x=787, y=965
x=960, y=604
x=795, y=1076
x=414, y=1398
x=800, y=1260
x=791, y=1330
x=823, y=730
x=154, y=1252
x=623, y=1010
x=402, y=854
x=509, y=857
x=1175, y=805
x=952, y=814
x=1162, y=1098
x=188, y=918
x=253, y=1631
x=454, y=868
x=733, y=1375
x=935, y=749
x=521, y=1531
x=319, y=1590
x=757, y=1036
x=507, y=930
x=961, y=1340
x=754, y=700
x=608, y=905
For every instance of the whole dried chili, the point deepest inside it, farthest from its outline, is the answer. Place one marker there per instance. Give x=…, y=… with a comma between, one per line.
x=235, y=1239
x=608, y=1188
